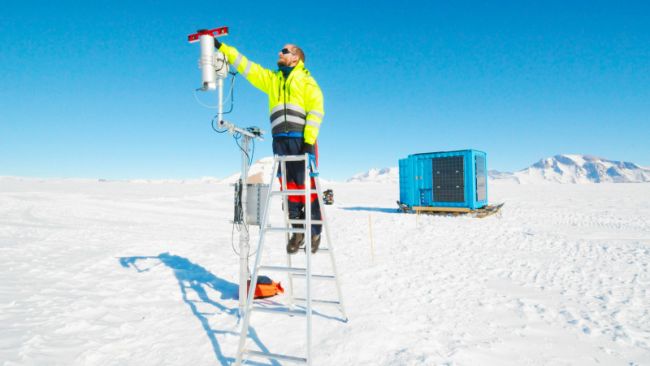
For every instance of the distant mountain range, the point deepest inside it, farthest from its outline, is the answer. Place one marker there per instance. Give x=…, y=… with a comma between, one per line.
x=567, y=168
x=385, y=175
x=578, y=169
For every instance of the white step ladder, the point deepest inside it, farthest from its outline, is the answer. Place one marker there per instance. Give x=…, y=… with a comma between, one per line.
x=292, y=272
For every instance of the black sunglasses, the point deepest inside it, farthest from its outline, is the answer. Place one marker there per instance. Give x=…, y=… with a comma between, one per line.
x=285, y=51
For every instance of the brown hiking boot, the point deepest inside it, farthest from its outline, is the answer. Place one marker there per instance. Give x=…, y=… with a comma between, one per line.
x=295, y=242
x=315, y=242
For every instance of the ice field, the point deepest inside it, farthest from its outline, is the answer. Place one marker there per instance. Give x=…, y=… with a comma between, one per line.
x=144, y=273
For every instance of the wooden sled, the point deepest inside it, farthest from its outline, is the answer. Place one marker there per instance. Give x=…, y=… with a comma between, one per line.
x=480, y=213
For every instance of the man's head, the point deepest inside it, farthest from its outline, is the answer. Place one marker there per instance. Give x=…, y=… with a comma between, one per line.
x=289, y=55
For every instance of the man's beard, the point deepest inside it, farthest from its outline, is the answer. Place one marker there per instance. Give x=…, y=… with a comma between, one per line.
x=282, y=63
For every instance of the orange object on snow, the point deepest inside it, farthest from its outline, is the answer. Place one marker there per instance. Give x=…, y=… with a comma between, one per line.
x=266, y=287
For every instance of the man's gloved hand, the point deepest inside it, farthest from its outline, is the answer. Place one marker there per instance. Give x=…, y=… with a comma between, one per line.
x=308, y=148
x=311, y=150
x=217, y=44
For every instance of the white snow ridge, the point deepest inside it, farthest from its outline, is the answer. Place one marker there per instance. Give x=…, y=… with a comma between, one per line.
x=259, y=172
x=384, y=175
x=569, y=168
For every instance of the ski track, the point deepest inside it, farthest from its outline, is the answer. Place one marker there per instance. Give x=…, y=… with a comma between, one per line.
x=114, y=273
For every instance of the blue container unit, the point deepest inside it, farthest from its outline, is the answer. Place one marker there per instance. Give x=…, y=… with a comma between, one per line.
x=444, y=179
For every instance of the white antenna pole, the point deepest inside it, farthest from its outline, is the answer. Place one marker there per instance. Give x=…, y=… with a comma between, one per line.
x=214, y=69
x=220, y=104
x=244, y=247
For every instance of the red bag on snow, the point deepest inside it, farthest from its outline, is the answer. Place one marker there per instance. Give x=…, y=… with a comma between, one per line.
x=266, y=287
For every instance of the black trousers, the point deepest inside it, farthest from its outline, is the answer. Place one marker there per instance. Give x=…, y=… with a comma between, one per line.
x=295, y=176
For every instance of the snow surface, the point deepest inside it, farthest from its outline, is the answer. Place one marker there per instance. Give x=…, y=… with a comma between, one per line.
x=118, y=273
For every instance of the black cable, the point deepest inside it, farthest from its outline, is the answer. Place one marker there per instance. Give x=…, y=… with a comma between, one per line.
x=232, y=239
x=252, y=152
x=223, y=64
x=239, y=222
x=212, y=124
x=238, y=137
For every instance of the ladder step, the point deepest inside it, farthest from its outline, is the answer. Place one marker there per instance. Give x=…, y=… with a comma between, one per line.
x=275, y=356
x=291, y=158
x=276, y=229
x=316, y=277
x=283, y=311
x=320, y=250
x=293, y=270
x=321, y=302
x=292, y=192
x=302, y=221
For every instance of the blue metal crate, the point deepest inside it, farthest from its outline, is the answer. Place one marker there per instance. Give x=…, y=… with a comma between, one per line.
x=444, y=179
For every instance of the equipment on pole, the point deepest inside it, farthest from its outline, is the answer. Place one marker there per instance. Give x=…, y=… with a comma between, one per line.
x=296, y=306
x=214, y=69
x=213, y=64
x=254, y=207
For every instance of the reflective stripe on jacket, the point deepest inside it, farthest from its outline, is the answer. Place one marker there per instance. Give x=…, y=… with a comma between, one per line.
x=295, y=102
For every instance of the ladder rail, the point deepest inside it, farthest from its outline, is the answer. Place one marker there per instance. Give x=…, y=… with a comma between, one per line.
x=291, y=192
x=285, y=202
x=253, y=281
x=299, y=157
x=331, y=248
x=279, y=163
x=308, y=236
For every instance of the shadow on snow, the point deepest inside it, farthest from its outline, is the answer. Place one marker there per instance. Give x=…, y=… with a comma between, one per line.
x=372, y=209
x=193, y=277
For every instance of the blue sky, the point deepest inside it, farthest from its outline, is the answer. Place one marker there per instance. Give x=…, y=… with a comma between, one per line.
x=105, y=89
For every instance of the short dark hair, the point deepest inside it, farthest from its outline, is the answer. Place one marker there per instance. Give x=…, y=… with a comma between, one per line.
x=298, y=52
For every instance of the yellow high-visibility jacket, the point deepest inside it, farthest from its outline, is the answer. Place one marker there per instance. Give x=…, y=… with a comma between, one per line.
x=295, y=102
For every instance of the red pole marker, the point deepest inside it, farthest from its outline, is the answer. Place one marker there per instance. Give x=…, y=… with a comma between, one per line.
x=217, y=32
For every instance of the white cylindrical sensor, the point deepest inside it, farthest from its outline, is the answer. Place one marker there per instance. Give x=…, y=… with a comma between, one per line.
x=207, y=62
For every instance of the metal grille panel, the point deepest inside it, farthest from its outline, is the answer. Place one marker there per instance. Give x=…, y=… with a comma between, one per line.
x=481, y=178
x=448, y=179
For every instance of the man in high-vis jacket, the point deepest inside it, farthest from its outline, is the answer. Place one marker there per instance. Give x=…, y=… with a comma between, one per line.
x=296, y=112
